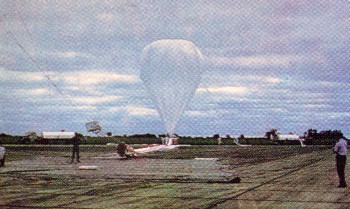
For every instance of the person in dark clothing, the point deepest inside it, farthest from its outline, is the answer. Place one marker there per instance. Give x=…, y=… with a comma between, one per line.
x=76, y=142
x=121, y=149
x=340, y=149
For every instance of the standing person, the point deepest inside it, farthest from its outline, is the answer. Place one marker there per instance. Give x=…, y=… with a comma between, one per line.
x=76, y=142
x=167, y=139
x=121, y=149
x=340, y=149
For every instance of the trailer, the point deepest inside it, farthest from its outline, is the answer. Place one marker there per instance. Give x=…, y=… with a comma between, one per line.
x=56, y=137
x=288, y=137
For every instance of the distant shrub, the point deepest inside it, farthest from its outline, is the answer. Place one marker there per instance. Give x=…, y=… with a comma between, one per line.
x=8, y=139
x=228, y=141
x=137, y=140
x=197, y=141
x=322, y=142
x=256, y=141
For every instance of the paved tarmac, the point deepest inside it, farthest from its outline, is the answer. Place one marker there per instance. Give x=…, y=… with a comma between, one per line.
x=306, y=181
x=303, y=181
x=204, y=170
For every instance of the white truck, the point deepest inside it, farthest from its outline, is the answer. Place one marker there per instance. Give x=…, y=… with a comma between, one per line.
x=2, y=156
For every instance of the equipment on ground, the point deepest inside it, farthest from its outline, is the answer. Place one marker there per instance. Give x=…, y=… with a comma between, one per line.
x=88, y=167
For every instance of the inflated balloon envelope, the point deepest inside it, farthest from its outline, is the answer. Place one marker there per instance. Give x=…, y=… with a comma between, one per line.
x=171, y=71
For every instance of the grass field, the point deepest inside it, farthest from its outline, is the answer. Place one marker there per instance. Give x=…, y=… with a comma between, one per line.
x=39, y=177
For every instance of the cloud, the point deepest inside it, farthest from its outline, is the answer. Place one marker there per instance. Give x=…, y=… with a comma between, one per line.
x=92, y=100
x=141, y=111
x=33, y=92
x=254, y=80
x=317, y=106
x=136, y=111
x=258, y=61
x=272, y=80
x=226, y=90
x=94, y=77
x=83, y=107
x=11, y=75
x=71, y=55
x=106, y=17
x=340, y=115
x=243, y=85
x=199, y=113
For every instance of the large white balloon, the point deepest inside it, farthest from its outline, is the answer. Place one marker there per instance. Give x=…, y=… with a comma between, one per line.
x=171, y=71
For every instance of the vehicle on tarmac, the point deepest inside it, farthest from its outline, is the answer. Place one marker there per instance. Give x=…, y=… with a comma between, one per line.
x=2, y=156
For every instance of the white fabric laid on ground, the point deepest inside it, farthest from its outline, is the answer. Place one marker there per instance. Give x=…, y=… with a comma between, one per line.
x=155, y=148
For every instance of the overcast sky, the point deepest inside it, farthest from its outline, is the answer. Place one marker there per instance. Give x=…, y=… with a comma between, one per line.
x=280, y=64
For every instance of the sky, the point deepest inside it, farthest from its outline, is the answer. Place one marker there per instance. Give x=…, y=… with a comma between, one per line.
x=280, y=64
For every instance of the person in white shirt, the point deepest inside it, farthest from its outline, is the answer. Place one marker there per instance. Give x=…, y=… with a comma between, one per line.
x=170, y=141
x=340, y=149
x=167, y=139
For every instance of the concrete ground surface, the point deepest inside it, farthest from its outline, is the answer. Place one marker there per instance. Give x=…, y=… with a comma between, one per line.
x=302, y=181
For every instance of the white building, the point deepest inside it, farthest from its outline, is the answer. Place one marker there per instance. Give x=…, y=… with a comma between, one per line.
x=58, y=135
